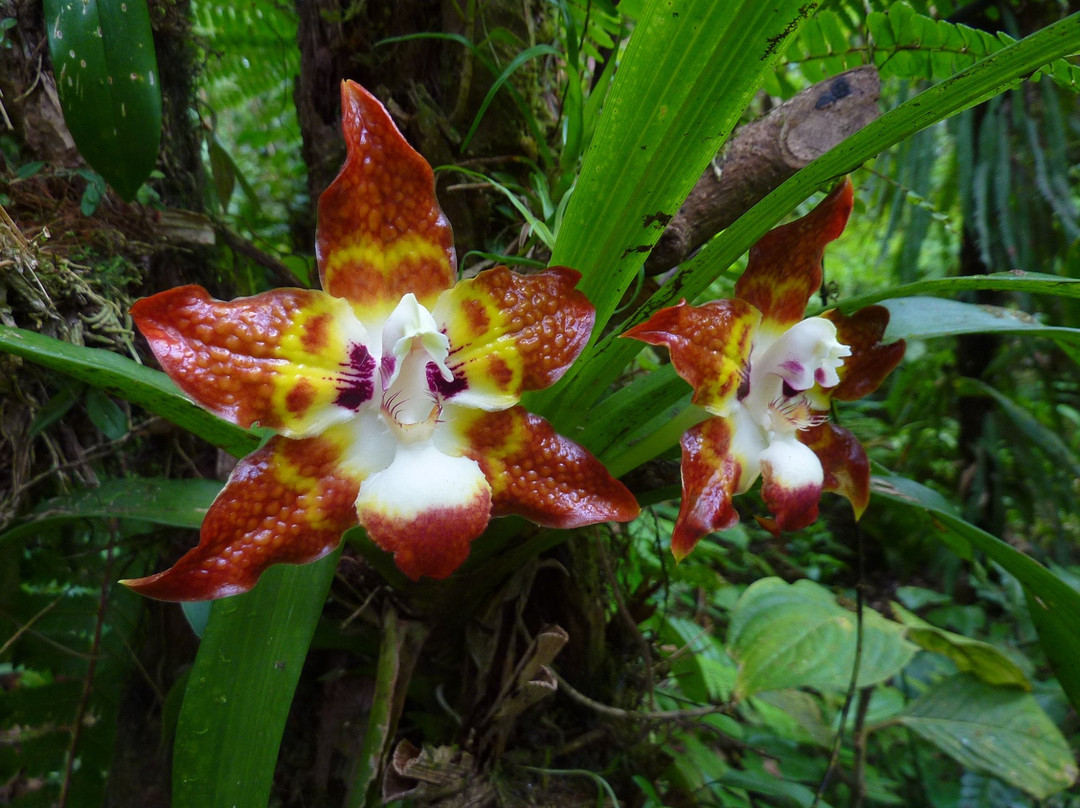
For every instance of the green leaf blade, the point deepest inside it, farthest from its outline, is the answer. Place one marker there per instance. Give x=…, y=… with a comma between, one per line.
x=999, y=731
x=796, y=635
x=240, y=689
x=106, y=75
x=1054, y=605
x=970, y=656
x=127, y=379
x=689, y=71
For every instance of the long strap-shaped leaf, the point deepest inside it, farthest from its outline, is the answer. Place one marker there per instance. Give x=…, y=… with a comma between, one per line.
x=122, y=377
x=689, y=71
x=241, y=686
x=604, y=361
x=1054, y=605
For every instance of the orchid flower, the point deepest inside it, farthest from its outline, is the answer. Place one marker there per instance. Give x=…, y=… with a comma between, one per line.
x=767, y=377
x=393, y=392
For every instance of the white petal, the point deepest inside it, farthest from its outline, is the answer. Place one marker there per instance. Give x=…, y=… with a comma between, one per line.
x=792, y=465
x=806, y=354
x=425, y=508
x=747, y=445
x=371, y=447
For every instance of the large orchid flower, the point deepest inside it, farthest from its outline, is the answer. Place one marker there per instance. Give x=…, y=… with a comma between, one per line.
x=768, y=376
x=392, y=392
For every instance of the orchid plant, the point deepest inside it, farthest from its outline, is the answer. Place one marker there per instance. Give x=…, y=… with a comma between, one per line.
x=393, y=392
x=765, y=378
x=392, y=396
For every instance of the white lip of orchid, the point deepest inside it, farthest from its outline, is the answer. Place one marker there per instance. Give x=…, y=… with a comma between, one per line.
x=783, y=369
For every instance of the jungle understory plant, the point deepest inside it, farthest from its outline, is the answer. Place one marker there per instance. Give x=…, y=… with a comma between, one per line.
x=404, y=407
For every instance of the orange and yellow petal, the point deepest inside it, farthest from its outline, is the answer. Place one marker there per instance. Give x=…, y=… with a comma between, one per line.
x=381, y=231
x=870, y=361
x=844, y=461
x=293, y=360
x=510, y=333
x=711, y=475
x=537, y=473
x=709, y=346
x=791, y=483
x=426, y=507
x=287, y=503
x=784, y=269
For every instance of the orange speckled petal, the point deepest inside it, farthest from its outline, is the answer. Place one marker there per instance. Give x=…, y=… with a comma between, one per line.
x=710, y=476
x=426, y=507
x=785, y=265
x=791, y=483
x=870, y=361
x=509, y=333
x=381, y=231
x=844, y=460
x=709, y=346
x=539, y=474
x=287, y=503
x=293, y=360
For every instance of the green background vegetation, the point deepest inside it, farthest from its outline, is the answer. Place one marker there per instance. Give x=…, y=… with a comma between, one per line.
x=928, y=656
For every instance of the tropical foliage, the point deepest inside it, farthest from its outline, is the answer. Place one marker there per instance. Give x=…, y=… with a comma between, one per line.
x=915, y=641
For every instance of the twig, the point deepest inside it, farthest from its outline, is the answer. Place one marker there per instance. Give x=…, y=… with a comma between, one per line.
x=850, y=696
x=620, y=603
x=858, y=791
x=242, y=246
x=26, y=627
x=91, y=667
x=636, y=715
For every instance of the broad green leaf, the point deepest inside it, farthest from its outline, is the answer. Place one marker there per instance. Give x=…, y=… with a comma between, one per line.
x=1054, y=605
x=129, y=380
x=607, y=359
x=179, y=503
x=689, y=70
x=796, y=635
x=979, y=658
x=1000, y=731
x=794, y=714
x=694, y=764
x=106, y=74
x=926, y=317
x=241, y=686
x=1032, y=283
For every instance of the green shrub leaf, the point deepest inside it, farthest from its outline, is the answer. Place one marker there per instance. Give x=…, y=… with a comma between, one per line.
x=979, y=658
x=996, y=730
x=797, y=635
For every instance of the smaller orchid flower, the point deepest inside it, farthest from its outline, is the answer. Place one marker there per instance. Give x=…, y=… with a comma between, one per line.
x=768, y=377
x=393, y=392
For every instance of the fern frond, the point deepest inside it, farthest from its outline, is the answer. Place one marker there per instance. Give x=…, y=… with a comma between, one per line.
x=912, y=45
